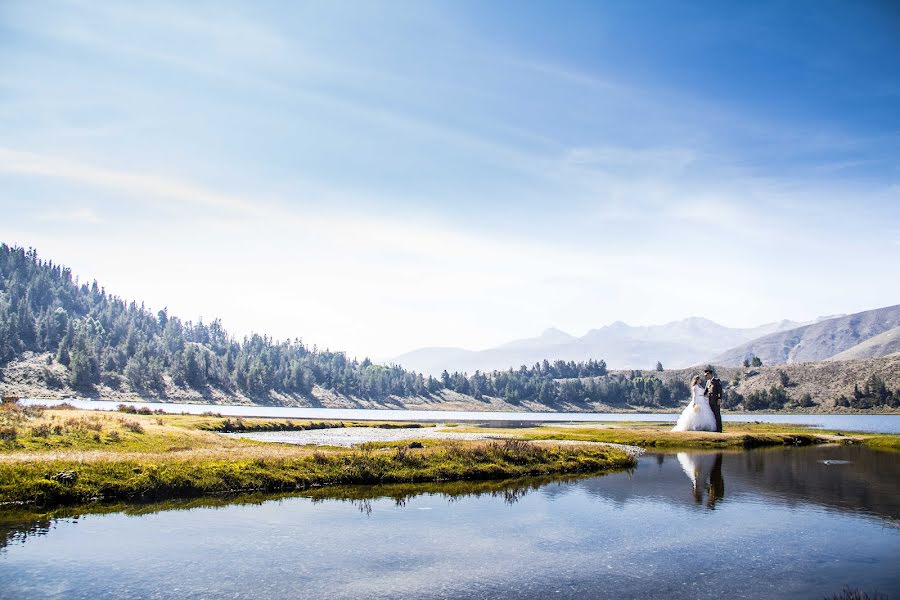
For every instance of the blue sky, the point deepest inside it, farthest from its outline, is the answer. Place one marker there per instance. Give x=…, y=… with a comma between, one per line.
x=382, y=176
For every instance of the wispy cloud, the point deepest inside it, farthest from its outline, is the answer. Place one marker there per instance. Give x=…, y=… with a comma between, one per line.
x=81, y=216
x=29, y=163
x=337, y=161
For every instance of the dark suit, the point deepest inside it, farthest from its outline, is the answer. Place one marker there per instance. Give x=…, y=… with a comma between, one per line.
x=714, y=395
x=716, y=483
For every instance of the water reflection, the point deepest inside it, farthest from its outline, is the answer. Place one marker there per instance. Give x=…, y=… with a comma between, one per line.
x=17, y=526
x=510, y=491
x=794, y=523
x=843, y=478
x=705, y=473
x=839, y=477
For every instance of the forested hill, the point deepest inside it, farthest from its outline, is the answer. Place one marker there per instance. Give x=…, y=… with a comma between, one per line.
x=106, y=343
x=60, y=337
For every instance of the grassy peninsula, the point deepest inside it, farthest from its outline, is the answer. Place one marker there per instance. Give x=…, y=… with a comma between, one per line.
x=63, y=456
x=660, y=436
x=55, y=457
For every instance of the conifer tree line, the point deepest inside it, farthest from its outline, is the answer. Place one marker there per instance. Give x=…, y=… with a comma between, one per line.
x=103, y=340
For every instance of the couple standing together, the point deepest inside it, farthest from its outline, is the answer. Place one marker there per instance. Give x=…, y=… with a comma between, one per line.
x=702, y=412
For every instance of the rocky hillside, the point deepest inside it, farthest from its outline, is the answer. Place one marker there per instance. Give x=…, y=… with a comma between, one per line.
x=883, y=344
x=815, y=342
x=824, y=382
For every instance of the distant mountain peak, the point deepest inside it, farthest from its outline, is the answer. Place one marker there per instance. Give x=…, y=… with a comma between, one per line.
x=828, y=317
x=551, y=336
x=676, y=344
x=552, y=333
x=699, y=321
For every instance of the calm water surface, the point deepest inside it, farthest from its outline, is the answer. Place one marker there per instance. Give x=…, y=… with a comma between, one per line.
x=777, y=523
x=873, y=423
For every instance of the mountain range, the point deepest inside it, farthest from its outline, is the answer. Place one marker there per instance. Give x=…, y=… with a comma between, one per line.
x=61, y=338
x=683, y=343
x=676, y=344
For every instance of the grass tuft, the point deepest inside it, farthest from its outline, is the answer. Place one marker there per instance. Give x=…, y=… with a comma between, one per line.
x=849, y=593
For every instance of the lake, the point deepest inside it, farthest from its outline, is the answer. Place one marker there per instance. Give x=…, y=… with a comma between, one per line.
x=773, y=523
x=872, y=423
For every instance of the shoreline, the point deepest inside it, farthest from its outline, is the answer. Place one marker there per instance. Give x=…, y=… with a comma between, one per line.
x=63, y=456
x=439, y=408
x=67, y=456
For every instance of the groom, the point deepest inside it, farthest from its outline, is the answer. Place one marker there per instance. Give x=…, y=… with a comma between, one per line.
x=714, y=395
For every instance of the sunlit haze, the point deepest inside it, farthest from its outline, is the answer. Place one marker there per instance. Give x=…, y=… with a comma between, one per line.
x=377, y=177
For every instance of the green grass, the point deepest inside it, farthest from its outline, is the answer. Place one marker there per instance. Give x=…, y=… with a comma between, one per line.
x=36, y=429
x=242, y=425
x=13, y=517
x=56, y=457
x=736, y=435
x=884, y=442
x=61, y=481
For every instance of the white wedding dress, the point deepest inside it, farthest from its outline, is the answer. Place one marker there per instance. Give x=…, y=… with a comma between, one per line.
x=697, y=415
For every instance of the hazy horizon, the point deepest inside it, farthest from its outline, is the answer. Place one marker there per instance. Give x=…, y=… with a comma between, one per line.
x=379, y=177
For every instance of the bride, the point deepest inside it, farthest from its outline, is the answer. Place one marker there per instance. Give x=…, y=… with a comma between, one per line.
x=697, y=415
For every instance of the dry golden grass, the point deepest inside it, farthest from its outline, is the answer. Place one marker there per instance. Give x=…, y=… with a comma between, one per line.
x=108, y=456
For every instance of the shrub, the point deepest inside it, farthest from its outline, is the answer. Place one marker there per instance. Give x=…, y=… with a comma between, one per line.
x=807, y=401
x=52, y=380
x=8, y=434
x=133, y=426
x=42, y=430
x=114, y=436
x=784, y=379
x=34, y=411
x=400, y=456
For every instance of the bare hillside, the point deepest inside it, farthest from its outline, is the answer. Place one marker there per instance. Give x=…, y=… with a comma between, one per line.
x=824, y=381
x=883, y=344
x=815, y=342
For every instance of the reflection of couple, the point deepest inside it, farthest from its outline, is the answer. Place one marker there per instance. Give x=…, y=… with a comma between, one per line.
x=703, y=468
x=702, y=412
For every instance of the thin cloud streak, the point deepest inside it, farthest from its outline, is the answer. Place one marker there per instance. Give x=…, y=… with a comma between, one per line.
x=380, y=177
x=79, y=216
